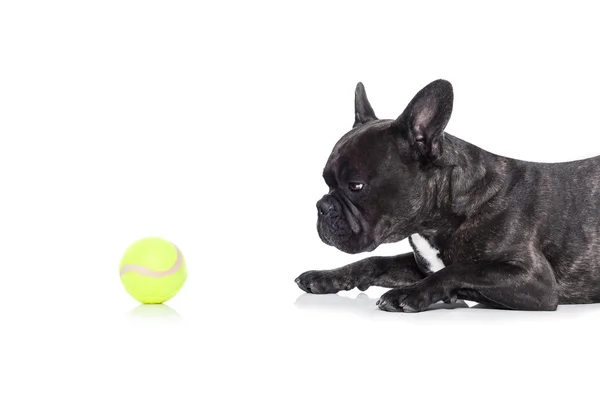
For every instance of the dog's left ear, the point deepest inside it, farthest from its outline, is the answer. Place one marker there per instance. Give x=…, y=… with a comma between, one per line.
x=423, y=121
x=363, y=112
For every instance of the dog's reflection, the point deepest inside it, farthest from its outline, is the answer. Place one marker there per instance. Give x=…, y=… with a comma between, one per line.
x=365, y=306
x=362, y=304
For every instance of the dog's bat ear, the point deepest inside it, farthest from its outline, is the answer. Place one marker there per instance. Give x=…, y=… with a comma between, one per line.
x=363, y=112
x=423, y=121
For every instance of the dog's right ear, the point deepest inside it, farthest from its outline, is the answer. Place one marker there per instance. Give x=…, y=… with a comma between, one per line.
x=363, y=112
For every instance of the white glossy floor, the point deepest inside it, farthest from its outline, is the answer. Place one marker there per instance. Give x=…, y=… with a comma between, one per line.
x=217, y=344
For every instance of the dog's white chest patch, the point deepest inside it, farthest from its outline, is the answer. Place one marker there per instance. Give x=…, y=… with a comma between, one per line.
x=431, y=256
x=429, y=253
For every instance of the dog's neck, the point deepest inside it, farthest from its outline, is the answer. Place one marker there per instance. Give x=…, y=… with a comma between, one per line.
x=467, y=178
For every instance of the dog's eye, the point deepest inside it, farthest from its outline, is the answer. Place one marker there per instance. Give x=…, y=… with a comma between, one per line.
x=355, y=186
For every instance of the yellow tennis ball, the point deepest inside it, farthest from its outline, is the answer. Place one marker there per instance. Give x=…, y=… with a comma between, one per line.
x=152, y=270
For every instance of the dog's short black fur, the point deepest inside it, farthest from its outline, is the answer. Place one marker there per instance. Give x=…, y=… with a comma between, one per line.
x=512, y=234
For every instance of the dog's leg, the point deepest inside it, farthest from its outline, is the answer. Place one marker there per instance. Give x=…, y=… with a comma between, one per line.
x=389, y=272
x=501, y=285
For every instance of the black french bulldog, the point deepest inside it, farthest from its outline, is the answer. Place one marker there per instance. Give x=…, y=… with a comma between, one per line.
x=502, y=232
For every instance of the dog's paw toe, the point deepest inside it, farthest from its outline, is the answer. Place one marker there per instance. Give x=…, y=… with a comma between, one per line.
x=302, y=284
x=390, y=302
x=320, y=282
x=408, y=309
x=408, y=299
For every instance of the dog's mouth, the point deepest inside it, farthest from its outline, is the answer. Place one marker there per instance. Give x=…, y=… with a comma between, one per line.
x=342, y=229
x=349, y=246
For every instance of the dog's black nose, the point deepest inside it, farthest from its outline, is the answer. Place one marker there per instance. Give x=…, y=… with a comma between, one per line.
x=324, y=205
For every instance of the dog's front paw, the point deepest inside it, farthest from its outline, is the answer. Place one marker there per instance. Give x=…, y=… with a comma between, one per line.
x=414, y=298
x=322, y=282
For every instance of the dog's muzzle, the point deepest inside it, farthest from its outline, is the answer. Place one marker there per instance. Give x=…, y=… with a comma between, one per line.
x=325, y=205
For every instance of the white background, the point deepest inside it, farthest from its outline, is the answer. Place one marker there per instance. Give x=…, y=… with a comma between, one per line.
x=208, y=123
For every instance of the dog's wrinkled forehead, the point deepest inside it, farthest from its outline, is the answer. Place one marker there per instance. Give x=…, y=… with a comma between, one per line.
x=355, y=148
x=360, y=141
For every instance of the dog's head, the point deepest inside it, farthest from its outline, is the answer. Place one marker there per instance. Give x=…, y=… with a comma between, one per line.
x=379, y=172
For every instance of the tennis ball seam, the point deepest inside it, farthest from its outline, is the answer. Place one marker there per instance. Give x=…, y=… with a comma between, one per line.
x=145, y=271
